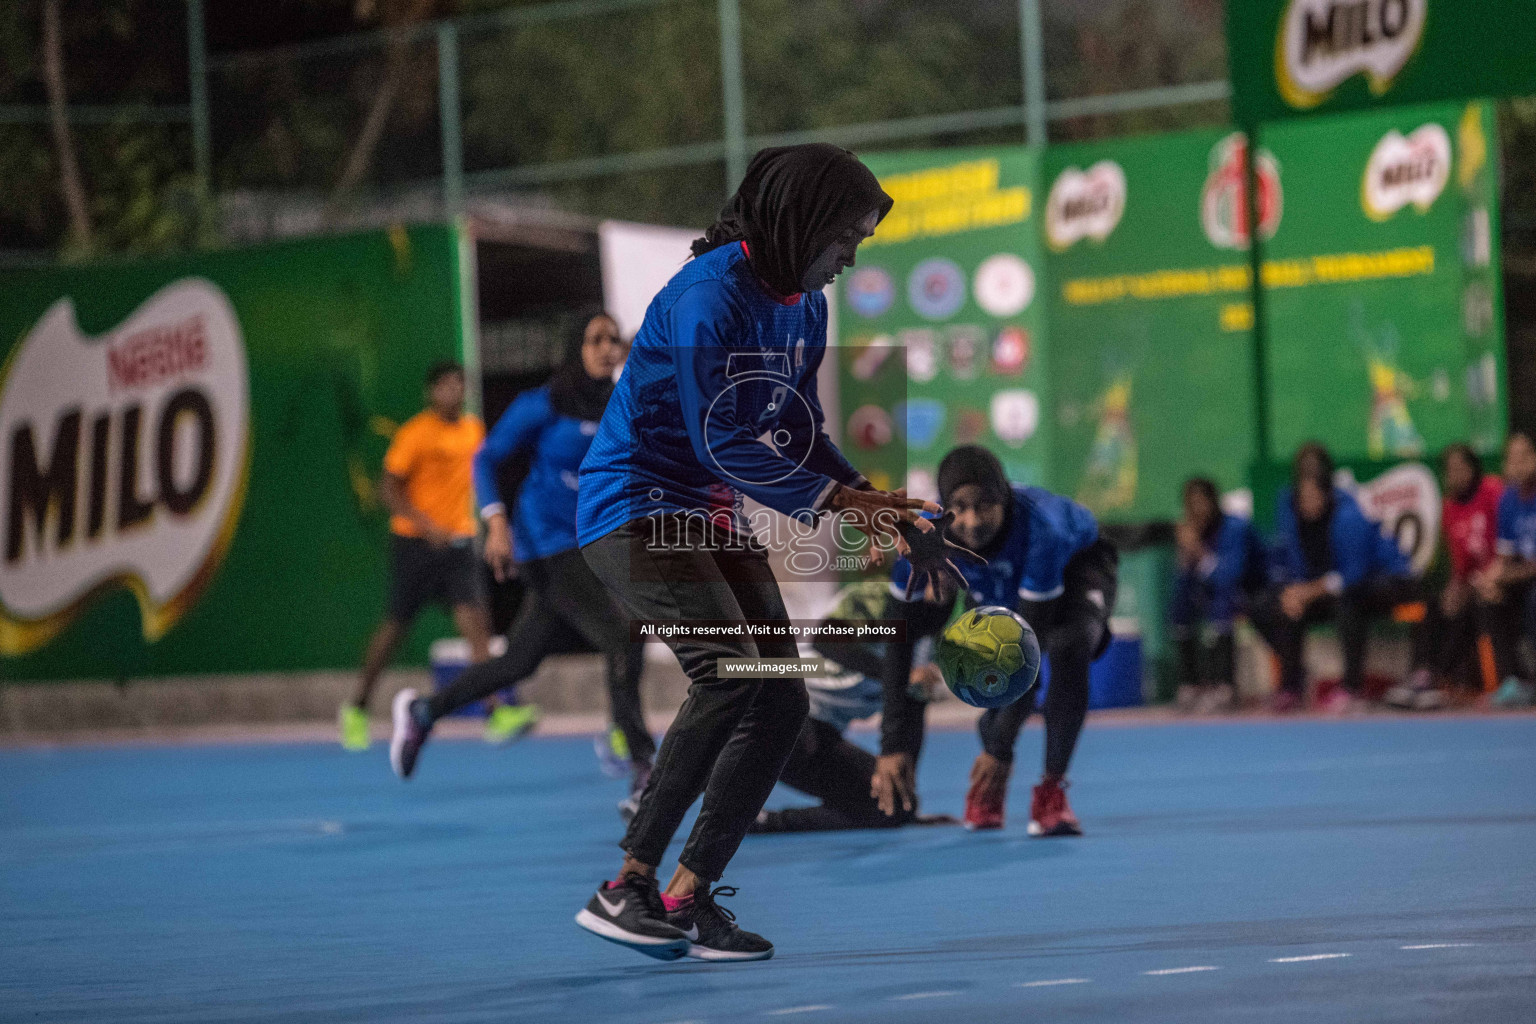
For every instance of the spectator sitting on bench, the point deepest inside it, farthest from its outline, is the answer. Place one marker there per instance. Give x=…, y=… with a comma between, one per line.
x=1452, y=621
x=1507, y=588
x=1221, y=567
x=1331, y=563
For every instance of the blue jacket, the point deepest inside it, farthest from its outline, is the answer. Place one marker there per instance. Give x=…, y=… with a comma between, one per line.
x=717, y=365
x=1358, y=548
x=544, y=515
x=1236, y=564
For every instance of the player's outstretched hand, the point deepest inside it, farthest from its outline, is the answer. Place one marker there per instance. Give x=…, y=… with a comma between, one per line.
x=894, y=781
x=882, y=515
x=930, y=553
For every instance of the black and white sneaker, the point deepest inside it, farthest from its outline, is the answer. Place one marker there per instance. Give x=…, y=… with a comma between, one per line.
x=632, y=914
x=409, y=736
x=712, y=932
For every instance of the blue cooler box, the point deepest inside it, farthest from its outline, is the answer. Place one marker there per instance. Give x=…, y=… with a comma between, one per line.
x=1114, y=681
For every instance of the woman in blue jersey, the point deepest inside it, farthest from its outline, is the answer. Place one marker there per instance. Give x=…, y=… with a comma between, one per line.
x=718, y=400
x=1044, y=558
x=1222, y=565
x=1330, y=563
x=553, y=426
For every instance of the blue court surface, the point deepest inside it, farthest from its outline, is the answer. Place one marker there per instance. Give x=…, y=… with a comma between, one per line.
x=1371, y=870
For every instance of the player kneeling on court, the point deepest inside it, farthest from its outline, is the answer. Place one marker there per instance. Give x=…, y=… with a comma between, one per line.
x=1044, y=559
x=824, y=764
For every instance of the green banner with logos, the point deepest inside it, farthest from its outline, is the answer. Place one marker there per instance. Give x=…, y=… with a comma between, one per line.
x=1294, y=57
x=1382, y=306
x=191, y=452
x=1150, y=319
x=941, y=323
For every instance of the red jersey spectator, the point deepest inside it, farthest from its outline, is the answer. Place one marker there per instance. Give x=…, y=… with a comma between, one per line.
x=1471, y=512
x=1448, y=635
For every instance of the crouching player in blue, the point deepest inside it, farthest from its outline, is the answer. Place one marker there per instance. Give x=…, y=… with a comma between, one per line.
x=553, y=427
x=1045, y=559
x=1222, y=567
x=829, y=767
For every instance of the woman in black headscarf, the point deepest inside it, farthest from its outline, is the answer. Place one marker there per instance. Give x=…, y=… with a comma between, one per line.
x=728, y=354
x=550, y=428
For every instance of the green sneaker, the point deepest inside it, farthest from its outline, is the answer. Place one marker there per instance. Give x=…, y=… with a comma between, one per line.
x=352, y=721
x=612, y=750
x=1513, y=694
x=508, y=723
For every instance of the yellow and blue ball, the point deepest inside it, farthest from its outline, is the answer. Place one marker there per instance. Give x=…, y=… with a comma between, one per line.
x=989, y=657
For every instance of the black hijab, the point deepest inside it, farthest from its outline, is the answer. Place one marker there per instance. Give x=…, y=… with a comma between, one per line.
x=792, y=204
x=572, y=392
x=973, y=464
x=1314, y=461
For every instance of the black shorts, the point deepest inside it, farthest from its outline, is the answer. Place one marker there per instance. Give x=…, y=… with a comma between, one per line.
x=420, y=574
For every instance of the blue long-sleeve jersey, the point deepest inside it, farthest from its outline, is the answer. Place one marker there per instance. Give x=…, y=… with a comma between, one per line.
x=1236, y=564
x=543, y=516
x=1044, y=531
x=1357, y=547
x=718, y=365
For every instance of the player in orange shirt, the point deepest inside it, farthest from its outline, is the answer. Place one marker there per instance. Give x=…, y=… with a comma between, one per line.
x=427, y=485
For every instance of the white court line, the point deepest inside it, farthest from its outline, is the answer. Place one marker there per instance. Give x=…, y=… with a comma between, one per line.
x=923, y=995
x=1053, y=981
x=1180, y=970
x=1441, y=945
x=1305, y=959
x=799, y=1009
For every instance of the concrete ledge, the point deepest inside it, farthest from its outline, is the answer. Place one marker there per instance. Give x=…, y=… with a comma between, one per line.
x=563, y=684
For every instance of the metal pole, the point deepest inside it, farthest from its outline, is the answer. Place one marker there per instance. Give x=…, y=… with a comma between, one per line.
x=1032, y=49
x=1260, y=347
x=449, y=116
x=732, y=94
x=197, y=85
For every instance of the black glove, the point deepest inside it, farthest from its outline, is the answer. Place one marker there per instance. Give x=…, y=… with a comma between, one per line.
x=930, y=552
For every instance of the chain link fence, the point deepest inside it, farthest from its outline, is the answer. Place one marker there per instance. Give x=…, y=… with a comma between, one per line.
x=618, y=108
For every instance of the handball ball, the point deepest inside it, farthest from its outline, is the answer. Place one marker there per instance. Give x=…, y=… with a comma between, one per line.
x=989, y=657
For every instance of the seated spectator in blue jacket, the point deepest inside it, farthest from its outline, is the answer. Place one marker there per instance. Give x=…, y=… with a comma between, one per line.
x=1221, y=568
x=1330, y=563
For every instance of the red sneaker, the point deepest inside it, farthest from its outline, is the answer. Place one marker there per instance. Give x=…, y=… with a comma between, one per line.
x=1050, y=814
x=984, y=808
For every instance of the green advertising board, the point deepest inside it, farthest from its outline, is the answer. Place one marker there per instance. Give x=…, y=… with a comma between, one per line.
x=1381, y=305
x=1150, y=320
x=1293, y=57
x=192, y=448
x=941, y=326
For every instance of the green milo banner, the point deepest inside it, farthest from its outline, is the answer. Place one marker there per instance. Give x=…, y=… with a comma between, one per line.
x=1381, y=302
x=191, y=449
x=941, y=324
x=1293, y=57
x=1150, y=319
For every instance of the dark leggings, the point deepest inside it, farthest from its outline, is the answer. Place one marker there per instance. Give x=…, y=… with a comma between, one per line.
x=562, y=598
x=1447, y=644
x=1202, y=663
x=828, y=767
x=1073, y=630
x=1509, y=621
x=731, y=737
x=1371, y=598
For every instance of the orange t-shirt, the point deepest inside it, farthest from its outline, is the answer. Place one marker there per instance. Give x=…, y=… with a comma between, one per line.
x=435, y=459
